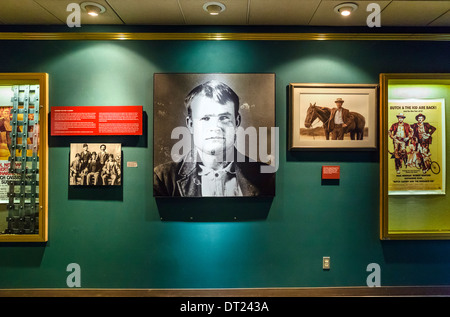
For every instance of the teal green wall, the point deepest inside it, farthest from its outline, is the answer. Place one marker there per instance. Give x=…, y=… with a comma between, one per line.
x=117, y=237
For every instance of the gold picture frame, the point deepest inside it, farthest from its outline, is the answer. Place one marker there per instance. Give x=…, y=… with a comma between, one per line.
x=23, y=157
x=312, y=106
x=414, y=204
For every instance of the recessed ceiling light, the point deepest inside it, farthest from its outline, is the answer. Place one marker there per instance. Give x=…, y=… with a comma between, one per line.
x=92, y=8
x=214, y=8
x=346, y=9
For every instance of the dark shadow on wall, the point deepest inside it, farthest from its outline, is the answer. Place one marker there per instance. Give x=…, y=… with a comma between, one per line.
x=417, y=251
x=208, y=209
x=107, y=193
x=22, y=254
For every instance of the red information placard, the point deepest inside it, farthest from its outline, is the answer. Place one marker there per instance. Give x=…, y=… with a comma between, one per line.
x=100, y=120
x=330, y=172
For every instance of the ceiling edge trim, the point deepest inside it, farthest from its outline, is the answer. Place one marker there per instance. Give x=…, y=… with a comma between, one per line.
x=224, y=36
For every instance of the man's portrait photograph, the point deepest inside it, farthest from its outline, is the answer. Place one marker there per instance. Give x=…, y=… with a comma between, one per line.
x=214, y=135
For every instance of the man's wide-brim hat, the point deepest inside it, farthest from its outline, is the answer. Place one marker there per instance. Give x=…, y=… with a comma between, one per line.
x=401, y=115
x=339, y=100
x=420, y=115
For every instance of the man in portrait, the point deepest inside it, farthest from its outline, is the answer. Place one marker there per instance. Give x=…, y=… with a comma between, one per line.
x=339, y=120
x=93, y=170
x=110, y=172
x=102, y=155
x=400, y=132
x=75, y=170
x=85, y=155
x=213, y=167
x=422, y=132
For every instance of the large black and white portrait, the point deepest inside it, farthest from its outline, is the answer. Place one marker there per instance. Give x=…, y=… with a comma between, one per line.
x=95, y=164
x=214, y=135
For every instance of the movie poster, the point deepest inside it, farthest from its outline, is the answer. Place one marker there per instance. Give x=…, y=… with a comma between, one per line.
x=416, y=149
x=5, y=176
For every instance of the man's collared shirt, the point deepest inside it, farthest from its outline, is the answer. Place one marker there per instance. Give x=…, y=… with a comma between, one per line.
x=400, y=131
x=221, y=182
x=420, y=130
x=338, y=117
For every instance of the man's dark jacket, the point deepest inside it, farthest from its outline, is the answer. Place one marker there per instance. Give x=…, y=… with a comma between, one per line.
x=182, y=179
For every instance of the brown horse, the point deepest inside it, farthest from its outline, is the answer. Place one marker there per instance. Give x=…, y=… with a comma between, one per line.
x=355, y=128
x=314, y=112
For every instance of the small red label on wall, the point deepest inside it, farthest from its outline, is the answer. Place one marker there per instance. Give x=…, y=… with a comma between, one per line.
x=331, y=172
x=102, y=120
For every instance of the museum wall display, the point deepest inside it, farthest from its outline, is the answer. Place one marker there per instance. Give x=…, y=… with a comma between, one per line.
x=319, y=224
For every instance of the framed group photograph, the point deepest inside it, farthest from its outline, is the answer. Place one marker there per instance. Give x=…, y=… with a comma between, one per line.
x=333, y=116
x=214, y=135
x=95, y=164
x=413, y=156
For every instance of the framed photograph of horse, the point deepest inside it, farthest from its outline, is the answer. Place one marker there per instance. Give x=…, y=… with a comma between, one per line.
x=333, y=116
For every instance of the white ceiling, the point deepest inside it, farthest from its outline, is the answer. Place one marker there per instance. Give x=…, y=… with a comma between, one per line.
x=414, y=13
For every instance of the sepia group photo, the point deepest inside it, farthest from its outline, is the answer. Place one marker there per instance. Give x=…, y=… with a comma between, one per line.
x=95, y=164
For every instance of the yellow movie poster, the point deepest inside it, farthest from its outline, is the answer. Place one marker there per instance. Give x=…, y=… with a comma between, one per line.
x=416, y=149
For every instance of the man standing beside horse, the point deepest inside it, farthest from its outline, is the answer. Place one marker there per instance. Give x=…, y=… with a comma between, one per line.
x=340, y=119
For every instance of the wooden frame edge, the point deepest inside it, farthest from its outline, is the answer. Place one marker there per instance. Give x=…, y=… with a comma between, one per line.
x=360, y=291
x=382, y=153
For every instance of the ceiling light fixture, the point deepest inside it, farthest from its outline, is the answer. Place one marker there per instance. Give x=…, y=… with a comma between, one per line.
x=214, y=8
x=92, y=8
x=346, y=9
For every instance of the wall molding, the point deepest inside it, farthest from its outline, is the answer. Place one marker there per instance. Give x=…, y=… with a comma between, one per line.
x=385, y=291
x=112, y=36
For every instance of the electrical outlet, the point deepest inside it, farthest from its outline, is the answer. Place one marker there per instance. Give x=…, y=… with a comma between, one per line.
x=326, y=263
